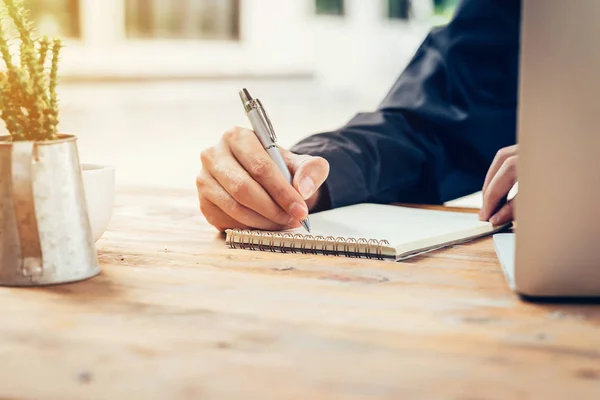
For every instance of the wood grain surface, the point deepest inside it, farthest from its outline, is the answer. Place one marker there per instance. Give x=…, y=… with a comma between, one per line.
x=175, y=314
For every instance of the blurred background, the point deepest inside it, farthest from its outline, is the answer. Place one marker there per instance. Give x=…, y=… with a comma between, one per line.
x=148, y=84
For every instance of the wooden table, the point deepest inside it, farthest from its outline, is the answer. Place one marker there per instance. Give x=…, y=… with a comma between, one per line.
x=177, y=315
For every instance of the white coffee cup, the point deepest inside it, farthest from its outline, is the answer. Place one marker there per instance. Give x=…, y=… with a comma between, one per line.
x=99, y=186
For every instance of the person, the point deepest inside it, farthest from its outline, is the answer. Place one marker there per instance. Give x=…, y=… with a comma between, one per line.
x=447, y=128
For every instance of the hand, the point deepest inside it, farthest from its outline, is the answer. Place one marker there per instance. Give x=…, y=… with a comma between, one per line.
x=241, y=187
x=500, y=179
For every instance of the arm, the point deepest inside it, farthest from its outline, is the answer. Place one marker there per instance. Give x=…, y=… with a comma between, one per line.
x=434, y=135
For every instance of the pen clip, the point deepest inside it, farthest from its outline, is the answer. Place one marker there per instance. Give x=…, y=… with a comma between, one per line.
x=267, y=120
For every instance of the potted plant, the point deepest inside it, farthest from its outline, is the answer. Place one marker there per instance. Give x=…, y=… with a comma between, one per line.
x=45, y=232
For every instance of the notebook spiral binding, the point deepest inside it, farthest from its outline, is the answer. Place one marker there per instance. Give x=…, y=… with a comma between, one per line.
x=305, y=244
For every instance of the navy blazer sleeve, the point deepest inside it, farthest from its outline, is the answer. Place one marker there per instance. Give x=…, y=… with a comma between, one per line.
x=436, y=132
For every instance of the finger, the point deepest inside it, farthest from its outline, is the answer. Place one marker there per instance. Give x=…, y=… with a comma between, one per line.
x=213, y=192
x=217, y=218
x=252, y=156
x=505, y=214
x=309, y=172
x=499, y=187
x=228, y=172
x=499, y=159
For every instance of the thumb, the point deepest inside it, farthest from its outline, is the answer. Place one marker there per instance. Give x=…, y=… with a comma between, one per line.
x=309, y=172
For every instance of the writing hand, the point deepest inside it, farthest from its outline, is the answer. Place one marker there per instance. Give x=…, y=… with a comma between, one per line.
x=239, y=185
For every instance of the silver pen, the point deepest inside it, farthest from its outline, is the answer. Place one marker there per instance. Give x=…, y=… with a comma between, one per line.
x=263, y=129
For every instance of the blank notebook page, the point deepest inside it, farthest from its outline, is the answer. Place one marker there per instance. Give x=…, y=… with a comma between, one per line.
x=398, y=225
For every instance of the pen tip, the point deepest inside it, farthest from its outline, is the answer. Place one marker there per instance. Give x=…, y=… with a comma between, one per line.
x=306, y=224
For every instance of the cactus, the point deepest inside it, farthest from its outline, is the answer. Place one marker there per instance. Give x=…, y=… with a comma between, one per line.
x=28, y=100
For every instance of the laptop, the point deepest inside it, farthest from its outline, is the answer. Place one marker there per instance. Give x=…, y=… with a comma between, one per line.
x=555, y=250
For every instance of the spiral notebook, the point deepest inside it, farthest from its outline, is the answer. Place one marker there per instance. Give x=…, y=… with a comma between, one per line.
x=370, y=231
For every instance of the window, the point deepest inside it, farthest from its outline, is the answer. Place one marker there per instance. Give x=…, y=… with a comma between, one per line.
x=330, y=7
x=55, y=17
x=399, y=9
x=183, y=19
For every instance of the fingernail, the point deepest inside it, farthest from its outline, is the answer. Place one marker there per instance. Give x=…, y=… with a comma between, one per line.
x=298, y=211
x=306, y=187
x=494, y=220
